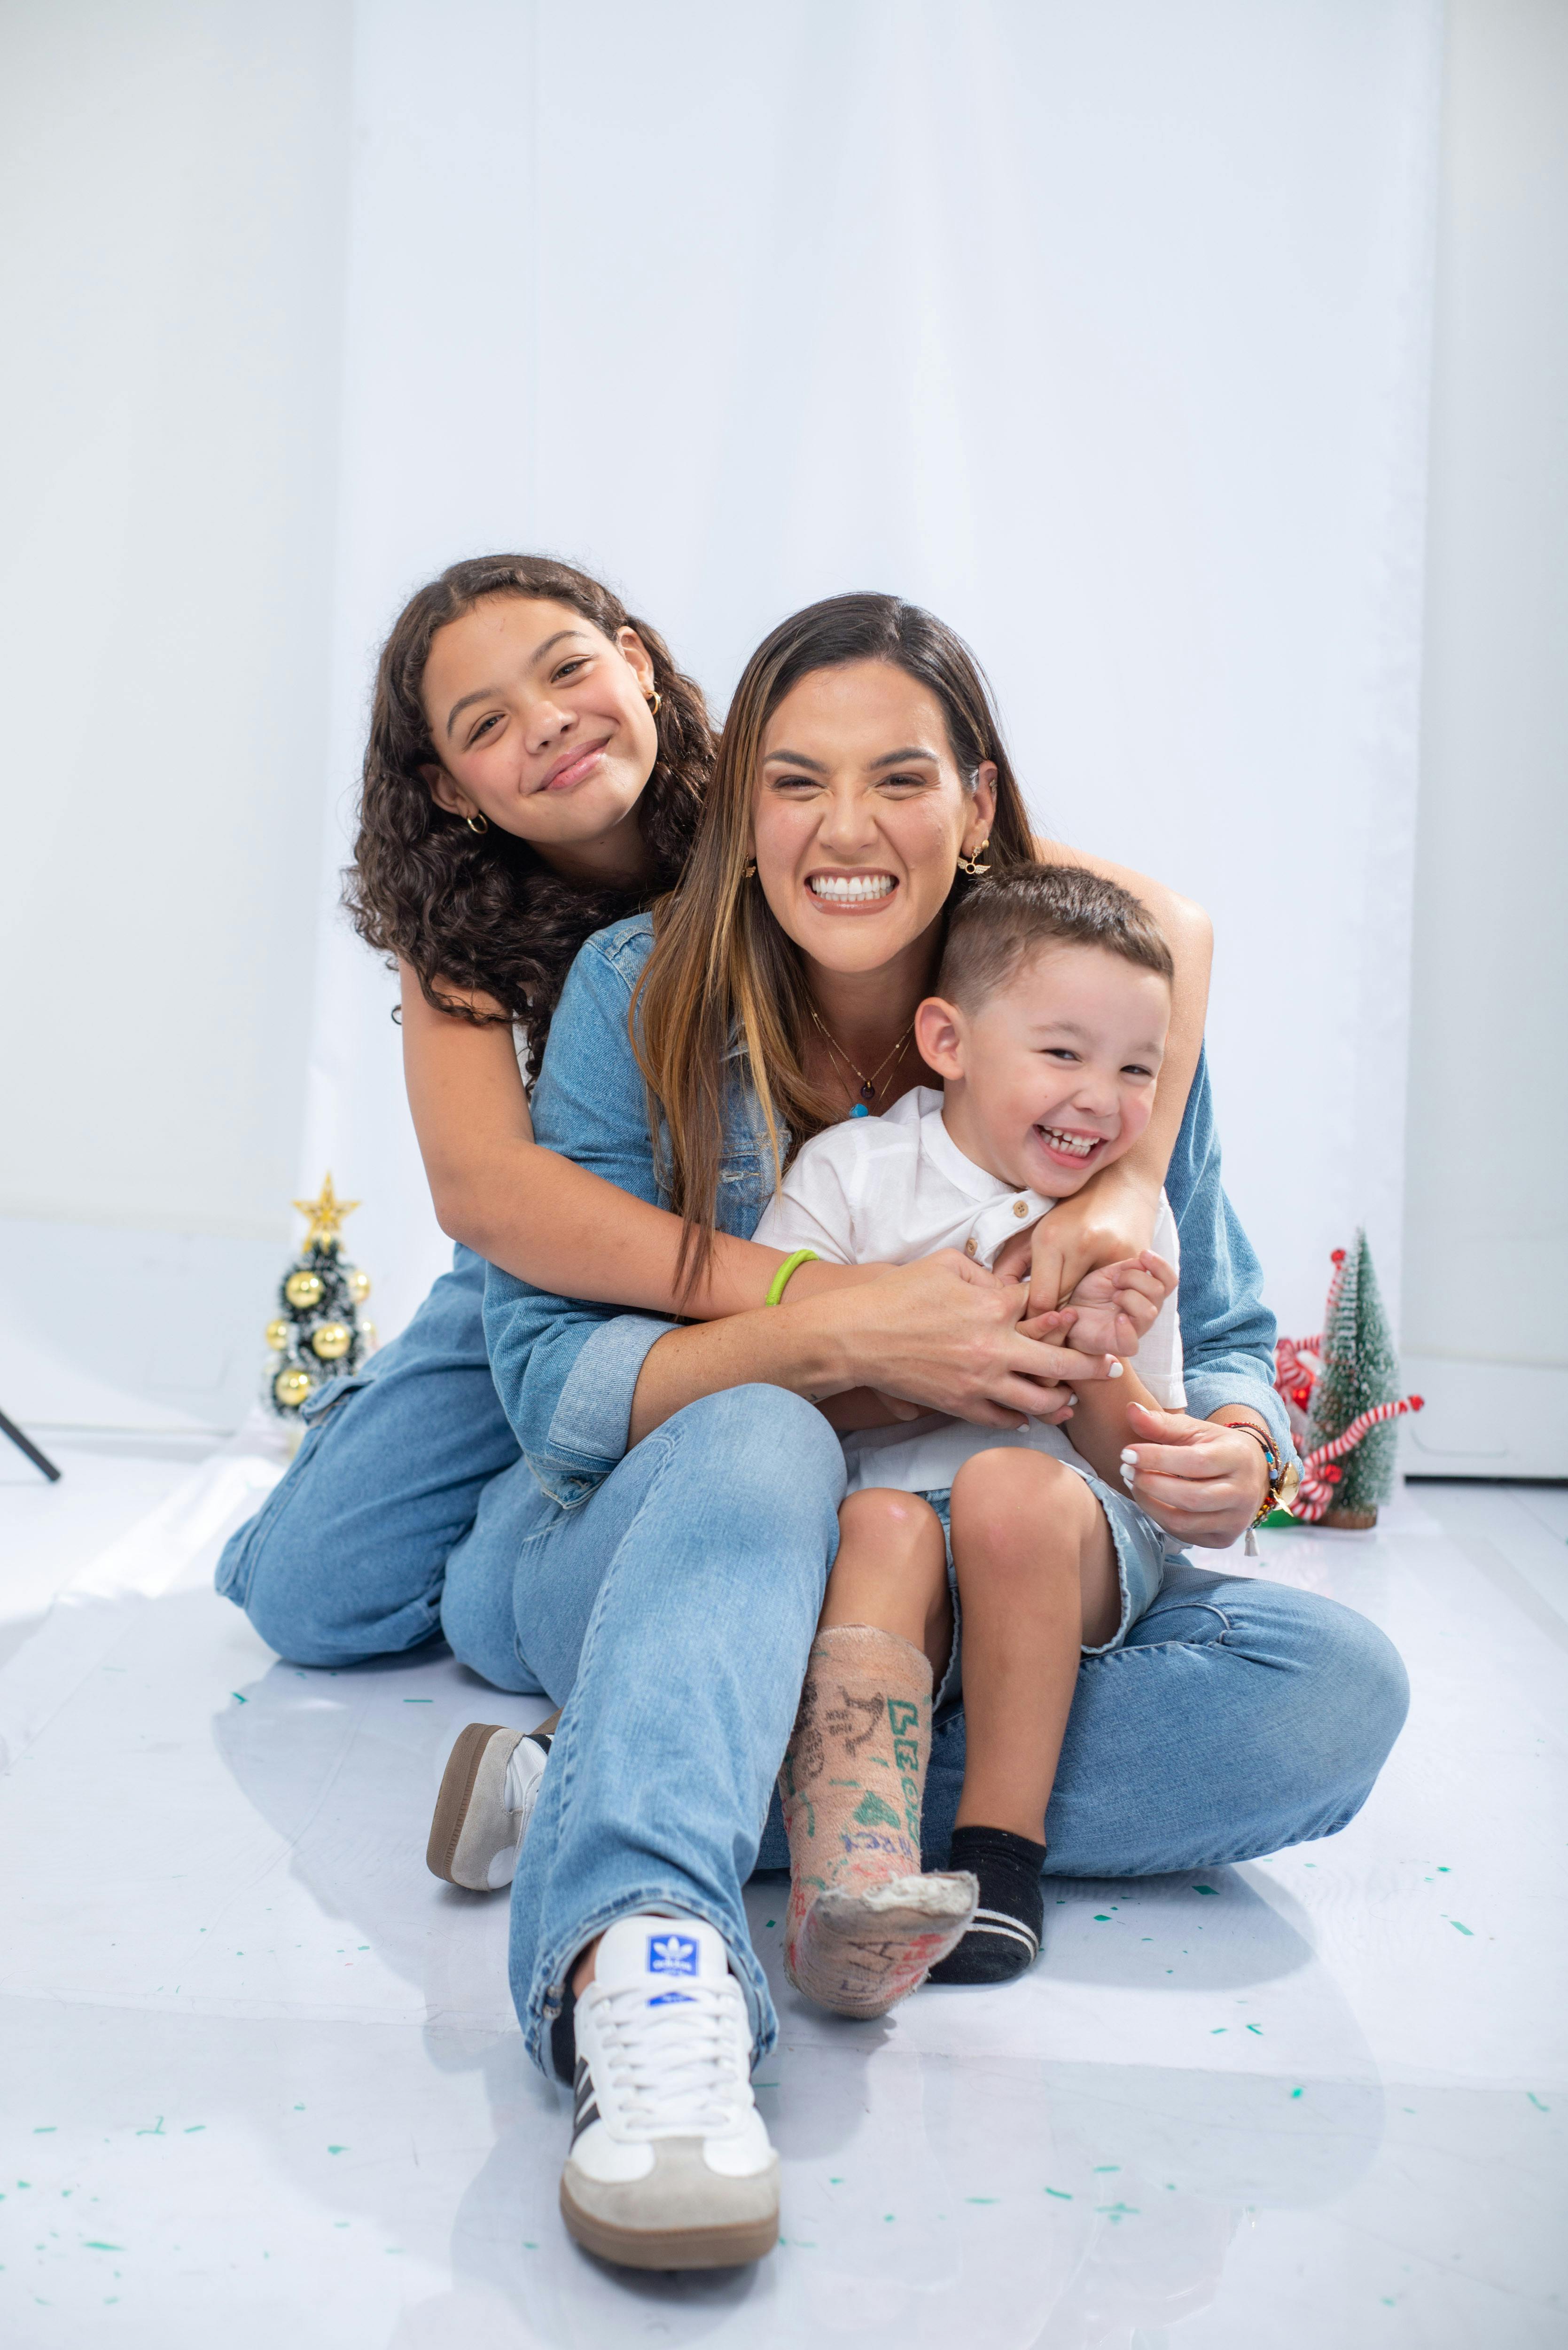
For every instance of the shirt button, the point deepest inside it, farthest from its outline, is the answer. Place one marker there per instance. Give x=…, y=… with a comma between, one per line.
x=1020, y=1207
x=969, y=1245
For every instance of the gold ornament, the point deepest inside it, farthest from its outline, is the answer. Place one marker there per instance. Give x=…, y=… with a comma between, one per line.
x=358, y=1286
x=333, y=1339
x=291, y=1387
x=326, y=1213
x=278, y=1334
x=302, y=1289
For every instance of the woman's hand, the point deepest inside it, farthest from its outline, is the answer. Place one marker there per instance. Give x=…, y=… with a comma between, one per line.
x=1113, y=1217
x=1204, y=1482
x=943, y=1333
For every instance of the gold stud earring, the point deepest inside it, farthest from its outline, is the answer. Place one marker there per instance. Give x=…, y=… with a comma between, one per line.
x=971, y=864
x=655, y=702
x=751, y=872
x=477, y=823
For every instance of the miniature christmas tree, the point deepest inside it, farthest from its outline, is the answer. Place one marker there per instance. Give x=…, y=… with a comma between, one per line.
x=317, y=1333
x=1342, y=1390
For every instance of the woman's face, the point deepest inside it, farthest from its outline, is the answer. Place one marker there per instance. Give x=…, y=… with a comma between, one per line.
x=861, y=815
x=541, y=724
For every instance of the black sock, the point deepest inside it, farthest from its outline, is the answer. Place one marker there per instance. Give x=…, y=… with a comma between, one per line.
x=564, y=2036
x=1004, y=1939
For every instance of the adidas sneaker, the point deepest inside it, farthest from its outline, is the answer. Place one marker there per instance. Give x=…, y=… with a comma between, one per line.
x=488, y=1791
x=670, y=2165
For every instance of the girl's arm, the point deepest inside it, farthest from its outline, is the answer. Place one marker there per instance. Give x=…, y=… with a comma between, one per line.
x=536, y=1215
x=1113, y=1215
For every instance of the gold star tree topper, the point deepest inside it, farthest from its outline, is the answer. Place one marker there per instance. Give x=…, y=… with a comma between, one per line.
x=326, y=1213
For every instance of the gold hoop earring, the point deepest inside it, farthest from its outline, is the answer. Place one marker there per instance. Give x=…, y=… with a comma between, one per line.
x=655, y=702
x=477, y=823
x=971, y=864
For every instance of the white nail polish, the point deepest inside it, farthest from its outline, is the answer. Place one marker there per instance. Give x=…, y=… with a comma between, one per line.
x=1129, y=1458
x=1127, y=1476
x=1071, y=1399
x=1115, y=1370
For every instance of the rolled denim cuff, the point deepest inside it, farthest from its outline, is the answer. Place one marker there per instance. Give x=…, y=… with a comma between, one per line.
x=592, y=1418
x=1217, y=1384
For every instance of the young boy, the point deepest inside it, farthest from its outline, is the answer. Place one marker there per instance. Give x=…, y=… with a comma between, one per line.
x=1047, y=1027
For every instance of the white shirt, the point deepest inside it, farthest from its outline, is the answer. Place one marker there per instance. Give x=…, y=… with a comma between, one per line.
x=890, y=1190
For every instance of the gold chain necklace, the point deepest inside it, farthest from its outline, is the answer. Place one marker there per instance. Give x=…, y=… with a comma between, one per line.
x=868, y=1084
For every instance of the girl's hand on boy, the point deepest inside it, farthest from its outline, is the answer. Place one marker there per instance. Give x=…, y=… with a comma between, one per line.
x=1116, y=1306
x=1202, y=1482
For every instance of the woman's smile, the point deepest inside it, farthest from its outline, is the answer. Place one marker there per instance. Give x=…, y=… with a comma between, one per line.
x=851, y=893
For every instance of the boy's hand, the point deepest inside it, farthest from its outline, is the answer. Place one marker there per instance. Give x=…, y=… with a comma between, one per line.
x=1114, y=1308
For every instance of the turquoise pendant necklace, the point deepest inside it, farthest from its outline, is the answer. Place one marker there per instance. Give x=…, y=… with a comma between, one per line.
x=866, y=1085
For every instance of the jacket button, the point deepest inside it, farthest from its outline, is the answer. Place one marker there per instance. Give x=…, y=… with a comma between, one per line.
x=1020, y=1207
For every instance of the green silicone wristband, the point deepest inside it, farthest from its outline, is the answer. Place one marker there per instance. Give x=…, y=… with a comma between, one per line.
x=786, y=1273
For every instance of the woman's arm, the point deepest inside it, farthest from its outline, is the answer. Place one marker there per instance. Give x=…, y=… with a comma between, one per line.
x=1113, y=1215
x=533, y=1213
x=580, y=1383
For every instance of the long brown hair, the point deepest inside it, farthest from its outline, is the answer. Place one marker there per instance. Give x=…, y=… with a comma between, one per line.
x=483, y=911
x=721, y=970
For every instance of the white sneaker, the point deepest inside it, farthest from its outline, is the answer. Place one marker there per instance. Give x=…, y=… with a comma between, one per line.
x=670, y=2165
x=488, y=1791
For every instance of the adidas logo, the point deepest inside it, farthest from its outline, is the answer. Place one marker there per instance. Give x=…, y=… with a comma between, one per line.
x=672, y=1954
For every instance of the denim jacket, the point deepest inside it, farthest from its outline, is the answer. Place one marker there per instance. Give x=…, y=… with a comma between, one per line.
x=565, y=1371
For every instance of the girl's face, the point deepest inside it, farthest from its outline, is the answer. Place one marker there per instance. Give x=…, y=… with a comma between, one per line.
x=542, y=726
x=861, y=815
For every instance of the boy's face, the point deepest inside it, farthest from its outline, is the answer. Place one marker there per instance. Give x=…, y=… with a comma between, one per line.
x=1053, y=1076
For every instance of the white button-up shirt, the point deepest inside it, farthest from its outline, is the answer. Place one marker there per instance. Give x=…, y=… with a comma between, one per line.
x=890, y=1190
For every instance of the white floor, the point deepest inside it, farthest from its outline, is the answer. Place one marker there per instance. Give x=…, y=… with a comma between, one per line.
x=261, y=2081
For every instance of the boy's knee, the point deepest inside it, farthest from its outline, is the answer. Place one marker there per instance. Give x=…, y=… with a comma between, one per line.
x=1010, y=1478
x=881, y=1513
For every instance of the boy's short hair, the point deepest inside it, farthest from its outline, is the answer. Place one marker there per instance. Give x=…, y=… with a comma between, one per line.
x=999, y=921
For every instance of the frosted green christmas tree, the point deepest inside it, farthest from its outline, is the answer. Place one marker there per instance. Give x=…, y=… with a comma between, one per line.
x=1360, y=1372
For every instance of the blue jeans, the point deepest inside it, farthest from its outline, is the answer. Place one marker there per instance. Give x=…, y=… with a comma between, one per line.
x=672, y=1612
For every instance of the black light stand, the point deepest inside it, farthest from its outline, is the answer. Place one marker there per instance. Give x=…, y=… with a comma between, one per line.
x=26, y=1445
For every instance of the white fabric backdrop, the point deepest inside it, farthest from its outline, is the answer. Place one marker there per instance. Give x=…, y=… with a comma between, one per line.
x=1105, y=332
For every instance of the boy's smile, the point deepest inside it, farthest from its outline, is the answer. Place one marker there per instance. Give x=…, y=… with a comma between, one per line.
x=1052, y=1075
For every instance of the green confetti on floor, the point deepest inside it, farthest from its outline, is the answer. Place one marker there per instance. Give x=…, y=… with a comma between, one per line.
x=1296, y=2093
x=44, y=2129
x=419, y=1700
x=1207, y=1889
x=337, y=2150
x=1060, y=2193
x=1536, y=2102
x=1103, y=2169
x=1257, y=2028
x=91, y=2244
x=192, y=2127
x=983, y=2199
x=1102, y=1917
x=1459, y=1929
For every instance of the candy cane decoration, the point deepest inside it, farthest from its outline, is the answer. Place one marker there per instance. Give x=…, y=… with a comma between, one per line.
x=1292, y=1379
x=1319, y=1477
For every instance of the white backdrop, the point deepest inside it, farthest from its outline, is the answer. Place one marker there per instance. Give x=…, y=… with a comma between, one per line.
x=1105, y=332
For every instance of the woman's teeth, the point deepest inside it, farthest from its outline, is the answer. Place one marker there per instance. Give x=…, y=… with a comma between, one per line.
x=1077, y=1146
x=850, y=888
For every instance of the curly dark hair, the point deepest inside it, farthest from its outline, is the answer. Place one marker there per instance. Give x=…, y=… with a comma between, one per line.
x=482, y=911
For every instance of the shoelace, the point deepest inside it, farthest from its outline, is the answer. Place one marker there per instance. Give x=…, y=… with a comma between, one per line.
x=675, y=2070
